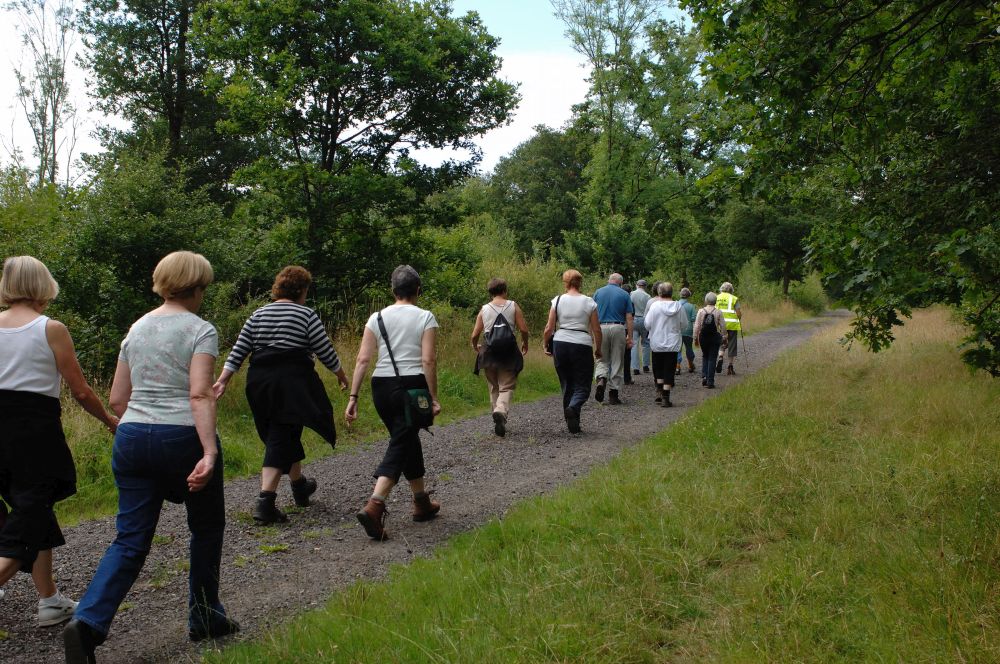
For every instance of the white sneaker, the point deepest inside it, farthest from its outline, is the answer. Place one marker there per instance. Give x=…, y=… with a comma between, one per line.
x=55, y=609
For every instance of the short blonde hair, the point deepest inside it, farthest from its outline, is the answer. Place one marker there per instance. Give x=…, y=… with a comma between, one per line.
x=179, y=273
x=572, y=279
x=25, y=278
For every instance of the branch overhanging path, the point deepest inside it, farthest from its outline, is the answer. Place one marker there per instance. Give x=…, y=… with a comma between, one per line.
x=271, y=574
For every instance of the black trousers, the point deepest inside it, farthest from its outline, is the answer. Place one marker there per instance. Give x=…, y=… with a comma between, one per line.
x=664, y=365
x=31, y=525
x=404, y=455
x=575, y=368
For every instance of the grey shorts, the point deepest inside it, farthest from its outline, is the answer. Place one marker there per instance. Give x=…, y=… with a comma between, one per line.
x=732, y=336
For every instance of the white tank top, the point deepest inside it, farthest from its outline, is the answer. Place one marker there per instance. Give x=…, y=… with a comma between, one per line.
x=27, y=363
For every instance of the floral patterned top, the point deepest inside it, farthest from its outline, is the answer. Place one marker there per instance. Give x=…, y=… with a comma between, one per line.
x=158, y=351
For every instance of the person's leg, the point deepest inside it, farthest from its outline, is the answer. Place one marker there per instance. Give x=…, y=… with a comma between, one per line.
x=602, y=367
x=492, y=380
x=711, y=351
x=656, y=361
x=139, y=504
x=669, y=375
x=506, y=384
x=561, y=361
x=206, y=518
x=689, y=352
x=637, y=333
x=616, y=346
x=41, y=574
x=582, y=362
x=388, y=398
x=269, y=478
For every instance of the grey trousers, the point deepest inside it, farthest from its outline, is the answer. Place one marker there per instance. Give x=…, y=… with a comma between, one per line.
x=612, y=363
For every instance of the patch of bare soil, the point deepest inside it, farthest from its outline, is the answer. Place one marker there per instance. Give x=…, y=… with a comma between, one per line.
x=271, y=574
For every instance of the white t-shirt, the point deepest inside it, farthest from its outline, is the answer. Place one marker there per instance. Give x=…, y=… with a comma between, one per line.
x=573, y=318
x=405, y=324
x=665, y=321
x=27, y=363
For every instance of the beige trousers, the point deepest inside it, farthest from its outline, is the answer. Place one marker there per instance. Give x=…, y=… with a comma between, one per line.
x=502, y=383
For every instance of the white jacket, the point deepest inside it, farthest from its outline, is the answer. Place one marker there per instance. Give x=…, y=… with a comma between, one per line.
x=665, y=321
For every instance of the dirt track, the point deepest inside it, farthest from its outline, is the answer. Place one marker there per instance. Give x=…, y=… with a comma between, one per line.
x=269, y=574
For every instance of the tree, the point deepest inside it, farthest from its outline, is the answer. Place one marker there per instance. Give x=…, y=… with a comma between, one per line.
x=146, y=69
x=894, y=104
x=46, y=30
x=345, y=90
x=537, y=185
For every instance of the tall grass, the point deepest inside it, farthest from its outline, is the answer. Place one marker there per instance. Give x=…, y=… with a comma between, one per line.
x=839, y=506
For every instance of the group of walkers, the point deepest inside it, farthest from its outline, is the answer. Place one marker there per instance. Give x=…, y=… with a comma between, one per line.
x=164, y=393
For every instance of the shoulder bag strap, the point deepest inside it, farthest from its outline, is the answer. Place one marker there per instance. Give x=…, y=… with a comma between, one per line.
x=385, y=336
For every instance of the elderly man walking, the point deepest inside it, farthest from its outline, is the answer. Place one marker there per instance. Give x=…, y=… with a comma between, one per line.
x=640, y=338
x=615, y=313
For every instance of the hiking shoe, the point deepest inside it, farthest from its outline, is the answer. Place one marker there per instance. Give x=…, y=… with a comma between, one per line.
x=54, y=610
x=266, y=512
x=79, y=641
x=215, y=632
x=730, y=371
x=635, y=372
x=424, y=509
x=711, y=387
x=645, y=370
x=667, y=403
x=599, y=393
x=613, y=399
x=718, y=366
x=500, y=424
x=372, y=518
x=690, y=366
x=704, y=382
x=302, y=489
x=572, y=420
x=678, y=372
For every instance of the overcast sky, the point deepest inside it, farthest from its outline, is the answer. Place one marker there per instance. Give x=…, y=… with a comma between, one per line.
x=535, y=53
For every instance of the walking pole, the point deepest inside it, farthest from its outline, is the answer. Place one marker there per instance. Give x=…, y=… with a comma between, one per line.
x=746, y=352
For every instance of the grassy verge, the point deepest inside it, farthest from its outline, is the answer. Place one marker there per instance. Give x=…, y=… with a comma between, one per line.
x=462, y=394
x=837, y=506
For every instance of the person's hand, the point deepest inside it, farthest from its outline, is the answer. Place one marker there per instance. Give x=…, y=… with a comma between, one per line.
x=351, y=413
x=524, y=348
x=476, y=347
x=598, y=354
x=696, y=344
x=114, y=423
x=435, y=408
x=629, y=343
x=342, y=380
x=202, y=473
x=219, y=388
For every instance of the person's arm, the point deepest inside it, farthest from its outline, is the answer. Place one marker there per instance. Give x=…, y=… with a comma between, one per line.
x=239, y=352
x=697, y=326
x=121, y=389
x=739, y=312
x=365, y=355
x=428, y=358
x=595, y=330
x=322, y=347
x=68, y=366
x=629, y=323
x=202, y=399
x=522, y=325
x=550, y=329
x=477, y=329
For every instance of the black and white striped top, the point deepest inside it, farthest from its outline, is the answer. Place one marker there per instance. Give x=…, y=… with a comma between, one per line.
x=285, y=326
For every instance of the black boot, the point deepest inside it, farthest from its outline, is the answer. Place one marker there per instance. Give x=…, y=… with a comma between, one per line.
x=718, y=366
x=602, y=383
x=666, y=399
x=613, y=399
x=302, y=488
x=659, y=394
x=265, y=511
x=79, y=642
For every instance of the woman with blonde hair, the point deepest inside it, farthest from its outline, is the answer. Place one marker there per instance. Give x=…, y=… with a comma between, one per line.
x=283, y=389
x=36, y=467
x=166, y=448
x=574, y=345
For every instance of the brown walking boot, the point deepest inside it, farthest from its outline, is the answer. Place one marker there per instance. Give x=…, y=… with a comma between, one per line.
x=690, y=366
x=424, y=509
x=372, y=518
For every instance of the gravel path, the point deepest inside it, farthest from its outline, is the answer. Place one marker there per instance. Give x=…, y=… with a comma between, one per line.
x=270, y=574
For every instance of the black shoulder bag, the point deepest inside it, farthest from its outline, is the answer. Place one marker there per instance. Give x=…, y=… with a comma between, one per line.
x=417, y=403
x=548, y=345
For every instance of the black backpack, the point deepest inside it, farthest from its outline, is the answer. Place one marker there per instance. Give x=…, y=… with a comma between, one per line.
x=500, y=340
x=709, y=333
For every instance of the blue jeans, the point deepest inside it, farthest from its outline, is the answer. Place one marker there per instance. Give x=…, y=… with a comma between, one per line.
x=151, y=463
x=640, y=343
x=709, y=354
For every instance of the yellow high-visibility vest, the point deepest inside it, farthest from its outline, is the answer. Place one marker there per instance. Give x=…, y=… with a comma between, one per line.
x=726, y=302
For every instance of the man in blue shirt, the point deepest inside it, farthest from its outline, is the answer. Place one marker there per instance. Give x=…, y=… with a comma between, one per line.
x=615, y=312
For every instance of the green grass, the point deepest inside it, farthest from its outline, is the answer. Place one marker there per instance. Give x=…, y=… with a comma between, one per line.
x=462, y=395
x=838, y=506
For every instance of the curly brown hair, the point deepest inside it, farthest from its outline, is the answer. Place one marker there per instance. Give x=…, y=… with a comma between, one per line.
x=291, y=283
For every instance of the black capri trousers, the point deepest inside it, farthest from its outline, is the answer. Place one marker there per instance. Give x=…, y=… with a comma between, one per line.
x=404, y=456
